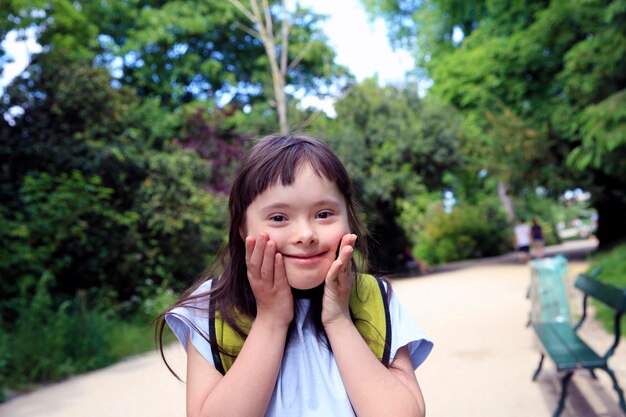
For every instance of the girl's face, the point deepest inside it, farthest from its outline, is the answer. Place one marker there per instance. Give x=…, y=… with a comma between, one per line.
x=306, y=220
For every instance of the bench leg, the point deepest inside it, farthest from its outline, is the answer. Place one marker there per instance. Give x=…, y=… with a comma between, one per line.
x=564, y=383
x=617, y=388
x=536, y=374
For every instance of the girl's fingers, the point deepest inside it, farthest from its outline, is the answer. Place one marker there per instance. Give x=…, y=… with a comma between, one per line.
x=267, y=265
x=255, y=251
x=280, y=276
x=346, y=240
x=333, y=272
x=250, y=242
x=344, y=274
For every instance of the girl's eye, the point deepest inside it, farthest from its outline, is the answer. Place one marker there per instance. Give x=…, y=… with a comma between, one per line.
x=324, y=214
x=278, y=218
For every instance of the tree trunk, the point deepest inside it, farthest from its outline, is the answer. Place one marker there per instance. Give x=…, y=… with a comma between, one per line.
x=260, y=16
x=278, y=80
x=611, y=226
x=506, y=201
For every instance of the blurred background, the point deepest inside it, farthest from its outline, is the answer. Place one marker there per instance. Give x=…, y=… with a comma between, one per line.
x=121, y=130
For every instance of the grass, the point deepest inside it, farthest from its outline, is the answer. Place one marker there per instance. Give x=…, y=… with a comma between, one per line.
x=74, y=339
x=613, y=264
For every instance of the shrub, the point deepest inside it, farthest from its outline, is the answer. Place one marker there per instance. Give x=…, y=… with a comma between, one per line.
x=613, y=264
x=466, y=232
x=54, y=340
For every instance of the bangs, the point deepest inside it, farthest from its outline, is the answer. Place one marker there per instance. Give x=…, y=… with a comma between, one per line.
x=278, y=160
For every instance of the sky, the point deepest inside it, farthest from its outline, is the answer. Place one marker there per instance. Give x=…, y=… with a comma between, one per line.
x=360, y=45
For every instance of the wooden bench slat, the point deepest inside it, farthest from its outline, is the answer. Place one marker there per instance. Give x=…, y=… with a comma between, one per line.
x=578, y=348
x=608, y=294
x=567, y=350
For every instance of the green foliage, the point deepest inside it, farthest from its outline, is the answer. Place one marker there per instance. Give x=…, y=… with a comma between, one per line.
x=6, y=357
x=55, y=338
x=95, y=198
x=177, y=50
x=466, y=232
x=603, y=137
x=541, y=88
x=53, y=341
x=415, y=213
x=406, y=146
x=182, y=226
x=62, y=225
x=613, y=264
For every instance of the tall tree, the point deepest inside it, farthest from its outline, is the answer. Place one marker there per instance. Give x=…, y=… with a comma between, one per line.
x=406, y=147
x=542, y=81
x=283, y=55
x=178, y=50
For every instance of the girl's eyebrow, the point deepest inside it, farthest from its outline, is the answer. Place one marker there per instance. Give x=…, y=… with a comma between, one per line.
x=285, y=206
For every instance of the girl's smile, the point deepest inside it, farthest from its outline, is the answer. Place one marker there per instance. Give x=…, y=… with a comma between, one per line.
x=305, y=259
x=306, y=220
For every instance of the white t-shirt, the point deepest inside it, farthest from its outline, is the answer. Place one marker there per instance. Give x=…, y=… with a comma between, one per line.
x=522, y=234
x=308, y=382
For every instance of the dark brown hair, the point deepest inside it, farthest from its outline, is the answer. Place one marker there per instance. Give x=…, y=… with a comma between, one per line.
x=272, y=160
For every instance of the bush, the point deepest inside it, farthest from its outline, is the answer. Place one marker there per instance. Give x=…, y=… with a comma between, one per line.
x=53, y=339
x=466, y=232
x=5, y=359
x=63, y=228
x=613, y=264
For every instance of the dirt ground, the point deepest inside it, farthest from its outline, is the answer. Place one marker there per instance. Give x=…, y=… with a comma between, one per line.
x=481, y=365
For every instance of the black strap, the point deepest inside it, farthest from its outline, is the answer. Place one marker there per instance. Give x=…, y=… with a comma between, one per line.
x=387, y=349
x=215, y=351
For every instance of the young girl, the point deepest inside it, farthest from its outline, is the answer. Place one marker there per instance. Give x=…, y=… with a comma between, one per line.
x=290, y=293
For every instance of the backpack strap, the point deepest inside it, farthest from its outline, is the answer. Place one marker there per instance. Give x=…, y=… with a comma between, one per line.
x=229, y=342
x=369, y=308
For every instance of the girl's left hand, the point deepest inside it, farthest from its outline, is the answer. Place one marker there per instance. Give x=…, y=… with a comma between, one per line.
x=339, y=279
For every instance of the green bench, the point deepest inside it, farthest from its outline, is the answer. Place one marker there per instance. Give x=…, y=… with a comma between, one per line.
x=560, y=341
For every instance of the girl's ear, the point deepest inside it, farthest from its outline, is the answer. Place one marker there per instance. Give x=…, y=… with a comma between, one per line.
x=242, y=232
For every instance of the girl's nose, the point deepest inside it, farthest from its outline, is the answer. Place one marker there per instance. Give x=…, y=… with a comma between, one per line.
x=306, y=234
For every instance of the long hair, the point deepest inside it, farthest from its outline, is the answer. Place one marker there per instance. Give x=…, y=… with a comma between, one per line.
x=274, y=160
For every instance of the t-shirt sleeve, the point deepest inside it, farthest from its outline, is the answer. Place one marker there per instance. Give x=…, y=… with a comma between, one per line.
x=191, y=322
x=406, y=332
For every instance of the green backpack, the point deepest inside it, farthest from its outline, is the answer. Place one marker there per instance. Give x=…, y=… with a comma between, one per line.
x=369, y=308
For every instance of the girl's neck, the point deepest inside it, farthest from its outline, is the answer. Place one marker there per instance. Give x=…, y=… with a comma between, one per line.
x=313, y=293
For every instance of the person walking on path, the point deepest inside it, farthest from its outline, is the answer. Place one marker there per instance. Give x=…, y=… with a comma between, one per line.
x=289, y=298
x=522, y=240
x=538, y=240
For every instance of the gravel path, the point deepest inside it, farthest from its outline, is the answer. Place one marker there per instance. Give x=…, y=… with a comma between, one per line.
x=481, y=365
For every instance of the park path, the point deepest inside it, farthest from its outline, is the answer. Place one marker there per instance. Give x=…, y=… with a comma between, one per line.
x=481, y=365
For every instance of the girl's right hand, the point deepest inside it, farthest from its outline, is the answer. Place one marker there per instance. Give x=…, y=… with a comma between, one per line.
x=268, y=280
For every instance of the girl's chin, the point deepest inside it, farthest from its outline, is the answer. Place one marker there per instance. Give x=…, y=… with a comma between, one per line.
x=305, y=284
x=306, y=278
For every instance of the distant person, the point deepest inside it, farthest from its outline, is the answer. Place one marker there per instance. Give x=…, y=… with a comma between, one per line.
x=408, y=261
x=290, y=327
x=522, y=240
x=538, y=241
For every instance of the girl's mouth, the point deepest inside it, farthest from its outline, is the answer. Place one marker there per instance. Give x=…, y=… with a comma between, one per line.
x=305, y=258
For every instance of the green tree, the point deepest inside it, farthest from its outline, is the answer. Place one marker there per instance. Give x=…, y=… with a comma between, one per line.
x=155, y=220
x=543, y=79
x=395, y=146
x=180, y=51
